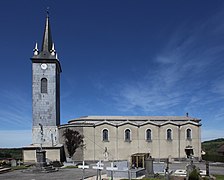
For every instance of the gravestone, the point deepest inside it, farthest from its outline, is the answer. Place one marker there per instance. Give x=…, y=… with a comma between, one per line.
x=121, y=170
x=121, y=165
x=13, y=163
x=111, y=169
x=159, y=168
x=149, y=167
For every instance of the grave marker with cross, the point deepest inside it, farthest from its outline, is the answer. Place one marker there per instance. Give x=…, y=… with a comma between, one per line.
x=83, y=167
x=112, y=169
x=99, y=168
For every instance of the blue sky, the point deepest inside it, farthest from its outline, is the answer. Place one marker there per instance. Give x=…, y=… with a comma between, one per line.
x=118, y=57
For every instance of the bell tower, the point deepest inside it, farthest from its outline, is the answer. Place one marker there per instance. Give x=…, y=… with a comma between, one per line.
x=46, y=71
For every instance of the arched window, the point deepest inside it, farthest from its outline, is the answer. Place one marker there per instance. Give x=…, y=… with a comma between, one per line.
x=148, y=135
x=43, y=85
x=105, y=135
x=169, y=134
x=127, y=135
x=188, y=134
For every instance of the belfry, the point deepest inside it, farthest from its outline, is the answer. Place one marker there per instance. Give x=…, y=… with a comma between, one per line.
x=46, y=71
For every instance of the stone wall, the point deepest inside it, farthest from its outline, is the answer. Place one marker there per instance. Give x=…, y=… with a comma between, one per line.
x=45, y=105
x=159, y=147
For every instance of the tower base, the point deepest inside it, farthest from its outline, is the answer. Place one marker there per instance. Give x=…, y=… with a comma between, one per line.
x=53, y=153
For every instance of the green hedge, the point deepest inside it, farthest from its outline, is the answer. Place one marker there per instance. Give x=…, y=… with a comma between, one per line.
x=212, y=157
x=15, y=153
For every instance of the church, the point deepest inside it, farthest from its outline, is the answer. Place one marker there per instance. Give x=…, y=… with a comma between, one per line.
x=105, y=137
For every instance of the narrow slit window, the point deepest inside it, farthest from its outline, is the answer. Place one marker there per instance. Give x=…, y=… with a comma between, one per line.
x=43, y=85
x=148, y=135
x=189, y=134
x=169, y=134
x=127, y=135
x=105, y=135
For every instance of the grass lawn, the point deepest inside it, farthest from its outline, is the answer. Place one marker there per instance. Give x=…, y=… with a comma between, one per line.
x=70, y=167
x=19, y=167
x=219, y=177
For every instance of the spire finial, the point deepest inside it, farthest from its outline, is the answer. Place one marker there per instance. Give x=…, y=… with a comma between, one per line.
x=48, y=11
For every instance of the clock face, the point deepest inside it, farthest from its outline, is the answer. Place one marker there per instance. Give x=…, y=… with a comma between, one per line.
x=43, y=66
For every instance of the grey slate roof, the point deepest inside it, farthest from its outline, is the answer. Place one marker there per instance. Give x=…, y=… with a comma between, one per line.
x=133, y=120
x=45, y=55
x=46, y=43
x=47, y=38
x=136, y=118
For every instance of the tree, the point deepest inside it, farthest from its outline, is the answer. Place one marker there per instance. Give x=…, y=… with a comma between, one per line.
x=73, y=140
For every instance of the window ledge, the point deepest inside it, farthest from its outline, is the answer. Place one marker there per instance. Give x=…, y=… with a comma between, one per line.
x=129, y=141
x=106, y=141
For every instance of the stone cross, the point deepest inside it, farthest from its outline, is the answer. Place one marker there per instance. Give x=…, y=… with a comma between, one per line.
x=112, y=169
x=83, y=167
x=99, y=168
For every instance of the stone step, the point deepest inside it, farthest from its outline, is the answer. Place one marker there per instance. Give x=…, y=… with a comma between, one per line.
x=49, y=169
x=4, y=170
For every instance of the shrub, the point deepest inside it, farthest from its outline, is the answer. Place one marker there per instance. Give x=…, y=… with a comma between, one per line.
x=194, y=175
x=56, y=164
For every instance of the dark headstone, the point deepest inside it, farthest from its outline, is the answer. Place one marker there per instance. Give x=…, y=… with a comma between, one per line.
x=41, y=158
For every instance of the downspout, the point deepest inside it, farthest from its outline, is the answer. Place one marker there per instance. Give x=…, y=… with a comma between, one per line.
x=179, y=142
x=94, y=146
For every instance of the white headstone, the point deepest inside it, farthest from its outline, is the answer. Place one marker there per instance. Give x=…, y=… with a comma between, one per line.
x=13, y=163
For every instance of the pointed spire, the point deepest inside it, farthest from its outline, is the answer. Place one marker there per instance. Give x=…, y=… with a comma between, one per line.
x=47, y=52
x=47, y=39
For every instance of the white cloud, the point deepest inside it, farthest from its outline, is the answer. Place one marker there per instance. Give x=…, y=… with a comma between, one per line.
x=15, y=110
x=185, y=73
